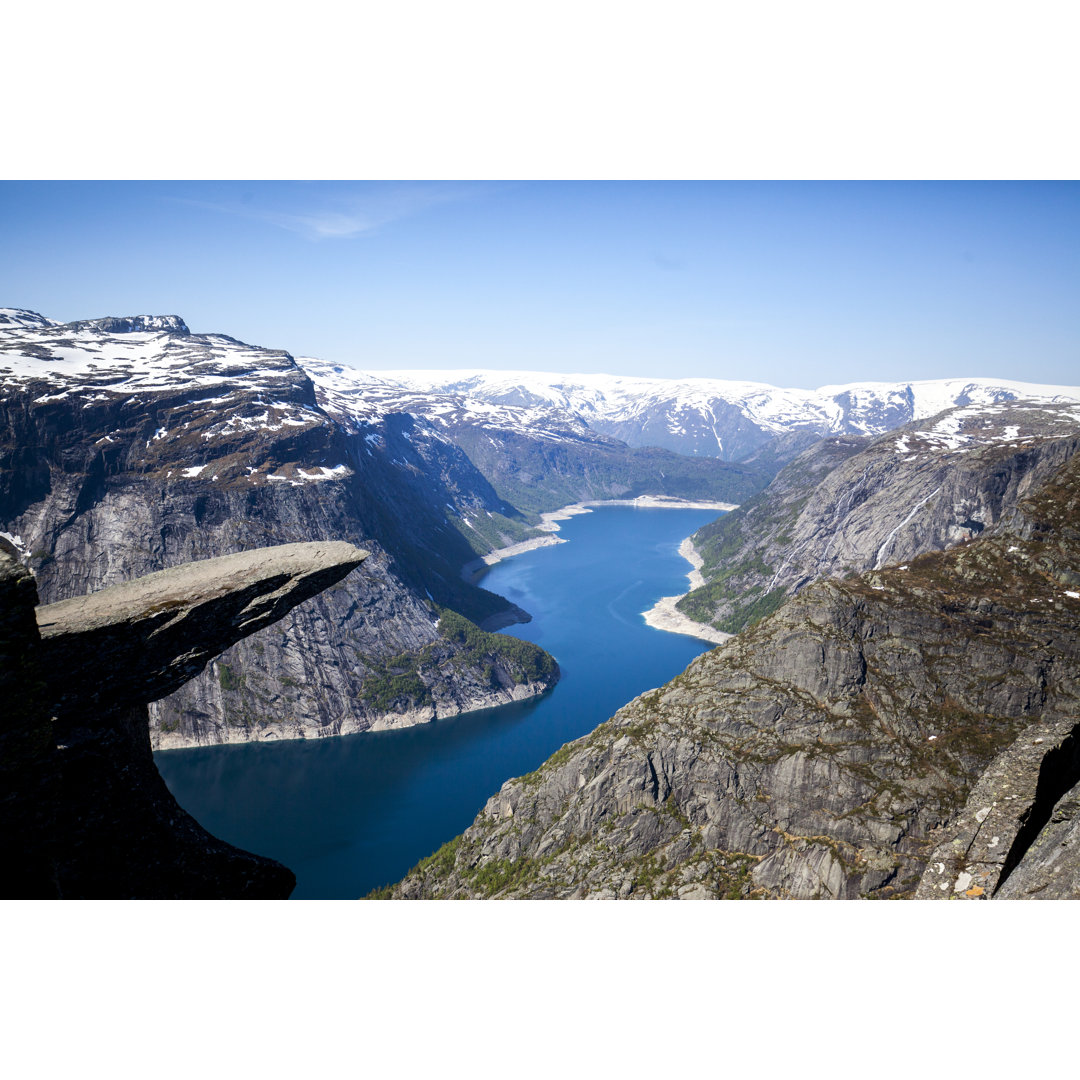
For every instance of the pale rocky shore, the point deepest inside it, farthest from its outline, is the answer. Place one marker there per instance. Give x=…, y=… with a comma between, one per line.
x=549, y=523
x=472, y=571
x=663, y=615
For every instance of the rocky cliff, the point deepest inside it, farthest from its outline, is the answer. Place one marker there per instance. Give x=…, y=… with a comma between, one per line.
x=131, y=445
x=908, y=730
x=854, y=504
x=84, y=812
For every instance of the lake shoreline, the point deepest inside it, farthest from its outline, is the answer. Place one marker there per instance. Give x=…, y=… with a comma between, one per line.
x=549, y=523
x=664, y=615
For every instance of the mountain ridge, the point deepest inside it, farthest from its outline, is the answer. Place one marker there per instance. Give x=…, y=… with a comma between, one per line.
x=722, y=418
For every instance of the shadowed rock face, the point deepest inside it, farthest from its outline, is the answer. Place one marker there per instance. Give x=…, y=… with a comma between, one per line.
x=29, y=775
x=85, y=812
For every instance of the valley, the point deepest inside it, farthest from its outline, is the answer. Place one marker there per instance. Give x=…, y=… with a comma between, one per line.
x=905, y=731
x=893, y=595
x=132, y=445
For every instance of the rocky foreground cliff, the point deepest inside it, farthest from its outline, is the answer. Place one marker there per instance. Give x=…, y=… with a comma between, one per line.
x=910, y=730
x=84, y=812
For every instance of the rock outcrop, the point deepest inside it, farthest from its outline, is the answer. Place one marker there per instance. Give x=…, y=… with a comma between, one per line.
x=85, y=812
x=877, y=736
x=855, y=504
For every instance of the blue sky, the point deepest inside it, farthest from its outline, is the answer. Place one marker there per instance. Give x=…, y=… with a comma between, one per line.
x=797, y=284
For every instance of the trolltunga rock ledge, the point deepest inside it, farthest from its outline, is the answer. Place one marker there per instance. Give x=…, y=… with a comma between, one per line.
x=84, y=812
x=158, y=631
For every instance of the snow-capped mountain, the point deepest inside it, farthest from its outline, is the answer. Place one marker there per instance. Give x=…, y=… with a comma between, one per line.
x=715, y=417
x=11, y=318
x=366, y=397
x=128, y=445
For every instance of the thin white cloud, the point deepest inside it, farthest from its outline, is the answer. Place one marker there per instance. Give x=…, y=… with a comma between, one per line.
x=344, y=214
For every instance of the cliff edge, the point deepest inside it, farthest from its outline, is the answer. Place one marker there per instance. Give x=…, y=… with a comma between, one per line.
x=85, y=813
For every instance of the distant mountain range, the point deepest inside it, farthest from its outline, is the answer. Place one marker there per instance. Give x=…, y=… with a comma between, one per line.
x=717, y=418
x=701, y=417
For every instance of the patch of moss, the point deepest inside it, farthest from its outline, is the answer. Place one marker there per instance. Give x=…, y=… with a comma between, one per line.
x=228, y=679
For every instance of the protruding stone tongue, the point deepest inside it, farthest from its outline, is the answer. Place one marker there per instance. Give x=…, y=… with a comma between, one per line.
x=139, y=641
x=84, y=811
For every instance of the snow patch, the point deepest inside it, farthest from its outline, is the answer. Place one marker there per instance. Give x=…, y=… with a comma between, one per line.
x=15, y=539
x=324, y=473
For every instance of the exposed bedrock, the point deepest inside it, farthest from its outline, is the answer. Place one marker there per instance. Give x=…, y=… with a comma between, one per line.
x=85, y=811
x=911, y=731
x=852, y=504
x=161, y=630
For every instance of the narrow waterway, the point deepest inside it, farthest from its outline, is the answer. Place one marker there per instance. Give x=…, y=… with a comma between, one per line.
x=353, y=813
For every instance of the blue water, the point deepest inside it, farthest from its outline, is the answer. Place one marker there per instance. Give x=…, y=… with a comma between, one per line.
x=352, y=813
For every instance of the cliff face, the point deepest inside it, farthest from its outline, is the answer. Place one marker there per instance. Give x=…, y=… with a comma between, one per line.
x=29, y=770
x=126, y=448
x=860, y=504
x=870, y=731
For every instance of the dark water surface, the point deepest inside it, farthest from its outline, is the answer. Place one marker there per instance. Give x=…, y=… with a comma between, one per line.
x=352, y=813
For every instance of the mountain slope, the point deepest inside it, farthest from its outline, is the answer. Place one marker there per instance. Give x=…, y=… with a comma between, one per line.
x=858, y=504
x=828, y=751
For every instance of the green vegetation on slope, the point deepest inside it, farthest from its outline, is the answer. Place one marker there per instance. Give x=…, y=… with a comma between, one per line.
x=500, y=661
x=490, y=531
x=519, y=656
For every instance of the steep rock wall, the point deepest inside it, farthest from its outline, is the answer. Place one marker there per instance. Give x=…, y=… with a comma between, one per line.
x=200, y=446
x=829, y=751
